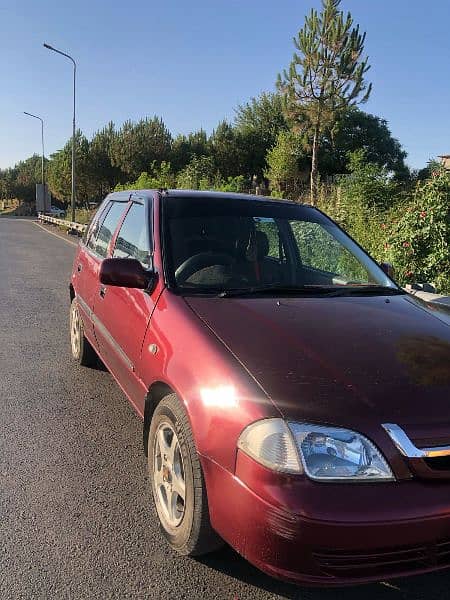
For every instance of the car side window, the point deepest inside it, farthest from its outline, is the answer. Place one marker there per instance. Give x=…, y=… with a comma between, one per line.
x=133, y=238
x=107, y=228
x=269, y=229
x=92, y=227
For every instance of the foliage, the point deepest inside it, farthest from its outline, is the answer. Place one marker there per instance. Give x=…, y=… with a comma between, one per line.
x=259, y=123
x=325, y=77
x=264, y=115
x=433, y=165
x=284, y=164
x=418, y=234
x=20, y=181
x=226, y=150
x=185, y=147
x=160, y=176
x=367, y=182
x=357, y=130
x=28, y=174
x=199, y=174
x=231, y=184
x=104, y=174
x=137, y=145
x=362, y=199
x=82, y=215
x=59, y=174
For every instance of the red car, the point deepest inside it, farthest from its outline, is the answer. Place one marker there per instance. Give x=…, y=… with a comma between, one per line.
x=295, y=400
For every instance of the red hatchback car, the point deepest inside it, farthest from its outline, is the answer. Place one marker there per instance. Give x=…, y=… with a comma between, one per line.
x=296, y=402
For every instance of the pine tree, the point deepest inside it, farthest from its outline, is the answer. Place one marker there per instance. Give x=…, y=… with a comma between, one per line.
x=326, y=76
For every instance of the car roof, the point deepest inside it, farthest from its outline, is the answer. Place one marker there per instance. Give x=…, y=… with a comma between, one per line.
x=178, y=193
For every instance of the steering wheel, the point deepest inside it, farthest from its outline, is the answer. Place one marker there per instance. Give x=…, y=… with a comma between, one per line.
x=200, y=261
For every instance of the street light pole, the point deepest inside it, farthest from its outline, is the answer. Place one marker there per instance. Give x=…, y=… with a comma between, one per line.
x=42, y=140
x=73, y=124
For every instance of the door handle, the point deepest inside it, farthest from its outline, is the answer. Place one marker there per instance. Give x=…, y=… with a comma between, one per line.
x=102, y=291
x=80, y=268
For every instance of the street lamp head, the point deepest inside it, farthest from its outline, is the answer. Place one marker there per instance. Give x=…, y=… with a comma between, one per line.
x=35, y=116
x=48, y=46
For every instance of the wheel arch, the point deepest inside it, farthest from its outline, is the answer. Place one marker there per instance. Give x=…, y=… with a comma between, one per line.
x=71, y=292
x=157, y=391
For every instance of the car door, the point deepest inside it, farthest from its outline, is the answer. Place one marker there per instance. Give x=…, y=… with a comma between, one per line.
x=122, y=314
x=87, y=263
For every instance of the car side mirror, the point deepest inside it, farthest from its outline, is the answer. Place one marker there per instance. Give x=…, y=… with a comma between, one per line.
x=126, y=272
x=388, y=269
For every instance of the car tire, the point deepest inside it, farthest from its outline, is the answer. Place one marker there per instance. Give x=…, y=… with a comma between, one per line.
x=172, y=461
x=82, y=350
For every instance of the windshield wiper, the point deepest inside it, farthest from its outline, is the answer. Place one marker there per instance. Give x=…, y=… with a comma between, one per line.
x=278, y=289
x=367, y=290
x=310, y=290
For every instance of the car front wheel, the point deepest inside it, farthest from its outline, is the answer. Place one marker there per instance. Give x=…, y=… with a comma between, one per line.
x=177, y=481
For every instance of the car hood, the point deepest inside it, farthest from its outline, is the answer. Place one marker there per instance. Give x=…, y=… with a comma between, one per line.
x=343, y=360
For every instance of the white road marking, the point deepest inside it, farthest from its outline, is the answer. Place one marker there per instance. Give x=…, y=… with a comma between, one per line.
x=60, y=237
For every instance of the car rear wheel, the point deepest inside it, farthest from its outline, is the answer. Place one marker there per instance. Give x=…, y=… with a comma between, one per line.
x=82, y=351
x=177, y=481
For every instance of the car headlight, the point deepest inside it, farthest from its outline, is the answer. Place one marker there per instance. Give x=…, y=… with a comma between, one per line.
x=322, y=453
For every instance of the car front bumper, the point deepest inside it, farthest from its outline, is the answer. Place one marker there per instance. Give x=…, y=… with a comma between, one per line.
x=329, y=534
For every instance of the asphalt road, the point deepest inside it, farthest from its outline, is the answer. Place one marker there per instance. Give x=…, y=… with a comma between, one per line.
x=75, y=514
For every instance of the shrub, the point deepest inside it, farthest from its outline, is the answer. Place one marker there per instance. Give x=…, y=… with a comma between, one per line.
x=284, y=162
x=418, y=234
x=231, y=184
x=360, y=201
x=199, y=174
x=160, y=176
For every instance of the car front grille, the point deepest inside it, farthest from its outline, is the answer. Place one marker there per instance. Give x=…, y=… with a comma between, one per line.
x=384, y=562
x=438, y=463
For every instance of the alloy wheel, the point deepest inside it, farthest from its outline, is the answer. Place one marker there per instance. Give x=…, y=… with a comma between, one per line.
x=168, y=475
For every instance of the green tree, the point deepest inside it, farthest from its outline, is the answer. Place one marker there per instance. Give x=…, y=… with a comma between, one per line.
x=4, y=187
x=357, y=130
x=199, y=174
x=258, y=123
x=60, y=171
x=160, y=176
x=236, y=184
x=284, y=165
x=433, y=166
x=227, y=150
x=137, y=145
x=25, y=175
x=325, y=77
x=367, y=182
x=8, y=183
x=185, y=147
x=105, y=175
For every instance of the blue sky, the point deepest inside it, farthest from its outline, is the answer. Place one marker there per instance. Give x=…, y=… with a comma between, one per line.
x=193, y=62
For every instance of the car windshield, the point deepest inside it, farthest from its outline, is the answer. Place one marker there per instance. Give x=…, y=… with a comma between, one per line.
x=230, y=245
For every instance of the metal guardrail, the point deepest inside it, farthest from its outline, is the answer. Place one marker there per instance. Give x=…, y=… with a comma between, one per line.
x=70, y=225
x=436, y=300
